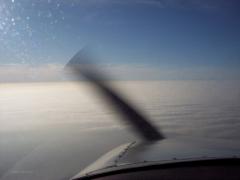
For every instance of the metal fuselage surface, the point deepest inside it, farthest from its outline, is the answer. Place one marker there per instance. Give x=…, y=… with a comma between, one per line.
x=169, y=151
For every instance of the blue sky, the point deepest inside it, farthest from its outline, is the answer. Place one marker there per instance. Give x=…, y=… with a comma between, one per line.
x=174, y=34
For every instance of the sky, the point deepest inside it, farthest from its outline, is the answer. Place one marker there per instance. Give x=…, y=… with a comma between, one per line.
x=171, y=39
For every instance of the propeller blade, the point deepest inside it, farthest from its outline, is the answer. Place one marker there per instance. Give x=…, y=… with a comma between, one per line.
x=139, y=123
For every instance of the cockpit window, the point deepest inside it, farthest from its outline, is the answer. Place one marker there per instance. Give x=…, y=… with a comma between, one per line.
x=175, y=62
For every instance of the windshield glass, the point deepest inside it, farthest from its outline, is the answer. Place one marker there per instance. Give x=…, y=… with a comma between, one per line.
x=176, y=61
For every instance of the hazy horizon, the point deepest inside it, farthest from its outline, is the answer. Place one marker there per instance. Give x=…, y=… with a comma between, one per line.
x=56, y=72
